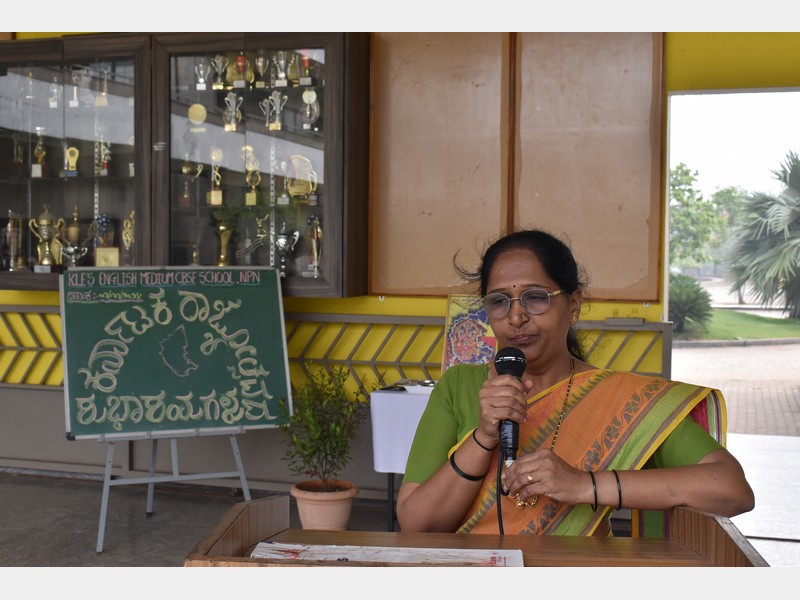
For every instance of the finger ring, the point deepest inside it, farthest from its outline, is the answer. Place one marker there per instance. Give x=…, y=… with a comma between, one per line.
x=530, y=478
x=512, y=495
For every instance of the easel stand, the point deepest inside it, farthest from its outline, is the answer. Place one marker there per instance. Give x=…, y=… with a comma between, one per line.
x=152, y=479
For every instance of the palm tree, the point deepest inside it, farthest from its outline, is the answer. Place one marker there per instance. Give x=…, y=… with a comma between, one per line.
x=765, y=248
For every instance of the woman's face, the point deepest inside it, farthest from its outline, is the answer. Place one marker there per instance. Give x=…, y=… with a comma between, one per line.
x=543, y=337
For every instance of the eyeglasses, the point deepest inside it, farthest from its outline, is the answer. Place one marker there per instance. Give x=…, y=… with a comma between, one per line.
x=534, y=300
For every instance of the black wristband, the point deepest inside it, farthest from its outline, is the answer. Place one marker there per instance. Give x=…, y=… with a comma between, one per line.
x=461, y=473
x=619, y=490
x=594, y=489
x=474, y=437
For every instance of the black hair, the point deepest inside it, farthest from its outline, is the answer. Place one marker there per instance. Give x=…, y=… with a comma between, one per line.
x=556, y=258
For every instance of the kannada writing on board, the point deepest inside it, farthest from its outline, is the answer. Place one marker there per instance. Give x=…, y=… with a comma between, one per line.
x=196, y=343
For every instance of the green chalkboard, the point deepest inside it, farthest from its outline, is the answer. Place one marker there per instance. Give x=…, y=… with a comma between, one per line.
x=172, y=350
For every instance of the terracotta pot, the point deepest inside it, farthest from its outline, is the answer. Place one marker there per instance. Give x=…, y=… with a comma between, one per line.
x=324, y=510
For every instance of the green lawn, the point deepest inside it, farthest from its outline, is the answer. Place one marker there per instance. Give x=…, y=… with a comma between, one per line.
x=733, y=325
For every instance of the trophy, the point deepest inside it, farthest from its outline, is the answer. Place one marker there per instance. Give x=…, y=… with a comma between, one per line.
x=215, y=194
x=224, y=232
x=305, y=71
x=102, y=99
x=18, y=156
x=77, y=77
x=315, y=241
x=128, y=239
x=105, y=253
x=244, y=73
x=74, y=228
x=303, y=185
x=261, y=236
x=16, y=260
x=72, y=254
x=292, y=70
x=55, y=93
x=197, y=238
x=274, y=111
x=252, y=176
x=282, y=168
x=191, y=171
x=310, y=112
x=220, y=65
x=232, y=115
x=279, y=60
x=102, y=157
x=201, y=72
x=262, y=65
x=71, y=248
x=46, y=228
x=284, y=245
x=71, y=155
x=38, y=168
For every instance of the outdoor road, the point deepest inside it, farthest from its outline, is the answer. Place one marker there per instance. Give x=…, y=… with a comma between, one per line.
x=761, y=383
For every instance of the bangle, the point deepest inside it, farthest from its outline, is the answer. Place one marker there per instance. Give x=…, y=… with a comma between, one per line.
x=594, y=489
x=474, y=437
x=461, y=473
x=619, y=490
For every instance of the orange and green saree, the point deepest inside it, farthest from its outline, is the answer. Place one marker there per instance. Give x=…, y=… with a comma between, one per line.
x=612, y=420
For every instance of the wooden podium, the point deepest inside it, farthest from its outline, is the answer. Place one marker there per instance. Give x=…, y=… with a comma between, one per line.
x=696, y=539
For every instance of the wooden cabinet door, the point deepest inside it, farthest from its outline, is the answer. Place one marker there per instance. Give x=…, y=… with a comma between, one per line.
x=478, y=133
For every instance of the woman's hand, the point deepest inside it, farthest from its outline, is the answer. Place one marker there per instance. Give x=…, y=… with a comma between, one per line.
x=544, y=473
x=502, y=397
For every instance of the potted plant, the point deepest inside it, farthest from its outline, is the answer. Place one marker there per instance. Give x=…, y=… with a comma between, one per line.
x=323, y=422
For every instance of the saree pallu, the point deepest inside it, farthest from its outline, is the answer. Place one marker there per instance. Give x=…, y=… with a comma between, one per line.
x=612, y=420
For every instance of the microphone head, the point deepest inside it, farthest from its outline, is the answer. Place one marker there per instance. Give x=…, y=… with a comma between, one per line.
x=510, y=361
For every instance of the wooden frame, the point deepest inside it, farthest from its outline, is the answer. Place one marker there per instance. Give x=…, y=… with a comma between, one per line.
x=695, y=540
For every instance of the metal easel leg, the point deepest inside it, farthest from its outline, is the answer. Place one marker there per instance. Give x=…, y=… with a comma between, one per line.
x=104, y=502
x=151, y=485
x=240, y=467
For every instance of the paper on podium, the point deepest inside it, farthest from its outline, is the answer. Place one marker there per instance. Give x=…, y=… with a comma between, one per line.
x=471, y=557
x=395, y=415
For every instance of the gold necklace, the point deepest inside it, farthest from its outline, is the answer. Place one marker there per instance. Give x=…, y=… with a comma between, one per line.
x=531, y=504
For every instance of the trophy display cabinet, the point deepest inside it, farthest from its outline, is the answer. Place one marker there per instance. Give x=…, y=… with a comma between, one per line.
x=219, y=149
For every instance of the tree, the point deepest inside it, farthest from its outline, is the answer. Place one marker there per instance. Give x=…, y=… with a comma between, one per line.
x=693, y=220
x=765, y=244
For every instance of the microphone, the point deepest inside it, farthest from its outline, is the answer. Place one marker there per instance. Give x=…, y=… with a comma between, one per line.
x=510, y=361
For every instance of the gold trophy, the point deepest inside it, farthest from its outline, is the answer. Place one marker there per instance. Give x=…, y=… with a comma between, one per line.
x=46, y=228
x=128, y=239
x=71, y=155
x=315, y=242
x=224, y=232
x=303, y=185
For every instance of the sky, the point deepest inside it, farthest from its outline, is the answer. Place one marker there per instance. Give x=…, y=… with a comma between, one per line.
x=734, y=139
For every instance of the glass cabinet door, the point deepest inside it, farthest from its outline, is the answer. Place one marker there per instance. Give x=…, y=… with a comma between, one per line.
x=256, y=159
x=67, y=165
